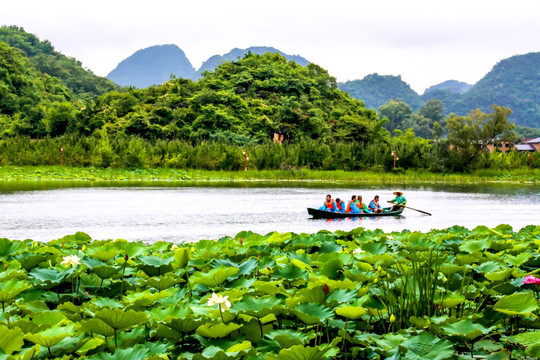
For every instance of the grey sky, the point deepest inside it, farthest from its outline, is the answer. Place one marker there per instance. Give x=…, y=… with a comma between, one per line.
x=426, y=42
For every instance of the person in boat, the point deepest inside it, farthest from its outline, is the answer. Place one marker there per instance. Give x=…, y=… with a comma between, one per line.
x=351, y=206
x=340, y=206
x=361, y=205
x=374, y=205
x=329, y=204
x=398, y=201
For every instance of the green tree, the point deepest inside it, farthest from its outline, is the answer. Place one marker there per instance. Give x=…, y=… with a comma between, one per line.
x=397, y=112
x=469, y=136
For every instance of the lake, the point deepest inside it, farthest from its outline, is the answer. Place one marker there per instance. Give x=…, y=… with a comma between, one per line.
x=190, y=213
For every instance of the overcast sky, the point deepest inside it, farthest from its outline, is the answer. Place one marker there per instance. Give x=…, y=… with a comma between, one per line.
x=424, y=41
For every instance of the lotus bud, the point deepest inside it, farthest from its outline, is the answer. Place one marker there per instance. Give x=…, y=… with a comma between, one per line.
x=126, y=258
x=326, y=289
x=392, y=318
x=241, y=241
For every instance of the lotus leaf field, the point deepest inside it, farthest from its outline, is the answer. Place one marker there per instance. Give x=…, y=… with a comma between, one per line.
x=447, y=294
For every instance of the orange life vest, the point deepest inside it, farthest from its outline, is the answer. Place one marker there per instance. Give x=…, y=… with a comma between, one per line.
x=339, y=205
x=329, y=204
x=376, y=204
x=348, y=210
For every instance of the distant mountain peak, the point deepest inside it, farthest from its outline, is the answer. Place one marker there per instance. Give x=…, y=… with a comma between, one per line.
x=455, y=86
x=237, y=53
x=152, y=66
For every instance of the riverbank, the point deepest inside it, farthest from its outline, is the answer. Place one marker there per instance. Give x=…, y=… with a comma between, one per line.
x=66, y=173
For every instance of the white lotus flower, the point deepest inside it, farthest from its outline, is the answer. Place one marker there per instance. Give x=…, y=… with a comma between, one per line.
x=219, y=300
x=174, y=247
x=71, y=260
x=358, y=251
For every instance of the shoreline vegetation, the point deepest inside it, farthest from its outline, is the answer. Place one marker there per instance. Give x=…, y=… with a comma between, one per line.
x=397, y=177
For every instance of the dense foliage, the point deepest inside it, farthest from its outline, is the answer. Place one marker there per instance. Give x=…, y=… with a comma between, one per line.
x=245, y=101
x=81, y=82
x=446, y=294
x=25, y=95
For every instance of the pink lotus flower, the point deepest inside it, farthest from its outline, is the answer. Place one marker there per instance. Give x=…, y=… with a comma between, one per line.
x=530, y=279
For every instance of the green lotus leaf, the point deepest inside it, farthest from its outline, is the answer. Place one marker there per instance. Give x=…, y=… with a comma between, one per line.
x=11, y=339
x=27, y=326
x=287, y=338
x=106, y=302
x=48, y=277
x=173, y=311
x=351, y=312
x=52, y=336
x=144, y=298
x=290, y=272
x=516, y=304
x=219, y=330
x=488, y=266
x=427, y=346
x=237, y=351
x=98, y=326
x=130, y=248
x=119, y=319
x=499, y=275
x=48, y=250
x=105, y=271
x=300, y=352
x=311, y=314
x=213, y=277
x=11, y=288
x=342, y=296
x=390, y=341
x=104, y=254
x=465, y=329
x=329, y=247
x=471, y=246
x=184, y=326
x=450, y=300
x=35, y=306
x=181, y=258
x=48, y=318
x=332, y=269
x=168, y=333
x=155, y=261
x=420, y=323
x=248, y=266
x=374, y=248
x=90, y=345
x=531, y=340
x=278, y=238
x=91, y=263
x=162, y=282
x=257, y=307
x=503, y=355
x=29, y=262
x=301, y=265
x=8, y=247
x=517, y=260
x=132, y=353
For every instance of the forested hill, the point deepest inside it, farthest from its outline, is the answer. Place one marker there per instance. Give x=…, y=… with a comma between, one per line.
x=152, y=66
x=235, y=54
x=513, y=83
x=375, y=90
x=244, y=101
x=82, y=83
x=25, y=95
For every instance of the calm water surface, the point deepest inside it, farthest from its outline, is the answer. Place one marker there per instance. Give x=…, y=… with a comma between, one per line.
x=194, y=213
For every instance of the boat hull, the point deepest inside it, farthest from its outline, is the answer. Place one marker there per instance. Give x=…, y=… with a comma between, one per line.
x=321, y=214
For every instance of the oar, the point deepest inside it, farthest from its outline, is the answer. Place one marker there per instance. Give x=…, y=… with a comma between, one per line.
x=408, y=207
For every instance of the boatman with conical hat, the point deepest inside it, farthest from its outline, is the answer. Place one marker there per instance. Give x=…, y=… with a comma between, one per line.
x=398, y=201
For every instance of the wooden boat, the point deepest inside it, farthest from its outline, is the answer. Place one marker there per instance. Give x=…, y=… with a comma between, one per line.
x=322, y=214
